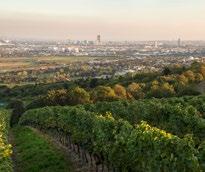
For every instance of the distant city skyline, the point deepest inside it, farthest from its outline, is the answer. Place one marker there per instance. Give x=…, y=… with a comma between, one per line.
x=115, y=20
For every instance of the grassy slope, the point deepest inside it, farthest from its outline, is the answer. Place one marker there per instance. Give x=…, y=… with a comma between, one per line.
x=33, y=153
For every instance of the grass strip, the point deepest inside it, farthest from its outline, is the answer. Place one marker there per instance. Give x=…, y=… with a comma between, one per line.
x=34, y=153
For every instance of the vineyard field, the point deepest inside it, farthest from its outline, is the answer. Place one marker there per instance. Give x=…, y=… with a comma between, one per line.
x=116, y=142
x=5, y=148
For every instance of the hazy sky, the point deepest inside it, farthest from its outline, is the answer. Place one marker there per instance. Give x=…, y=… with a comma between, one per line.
x=113, y=19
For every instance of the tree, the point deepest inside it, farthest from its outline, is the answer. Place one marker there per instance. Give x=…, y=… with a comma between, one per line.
x=93, y=83
x=182, y=79
x=78, y=95
x=202, y=71
x=102, y=93
x=199, y=77
x=134, y=87
x=56, y=97
x=188, y=90
x=120, y=91
x=154, y=86
x=166, y=71
x=161, y=90
x=136, y=91
x=167, y=90
x=190, y=75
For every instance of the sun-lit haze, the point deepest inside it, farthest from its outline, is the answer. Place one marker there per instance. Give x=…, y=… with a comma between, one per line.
x=113, y=19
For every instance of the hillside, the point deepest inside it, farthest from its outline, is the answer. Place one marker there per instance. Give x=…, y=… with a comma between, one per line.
x=147, y=122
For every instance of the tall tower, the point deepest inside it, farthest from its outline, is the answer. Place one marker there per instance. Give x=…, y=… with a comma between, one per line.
x=98, y=39
x=179, y=42
x=156, y=44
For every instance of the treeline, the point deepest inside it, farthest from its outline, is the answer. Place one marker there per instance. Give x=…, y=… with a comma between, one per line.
x=116, y=143
x=174, y=82
x=171, y=81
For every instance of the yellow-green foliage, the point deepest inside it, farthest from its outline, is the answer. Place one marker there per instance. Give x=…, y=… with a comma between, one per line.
x=129, y=148
x=5, y=148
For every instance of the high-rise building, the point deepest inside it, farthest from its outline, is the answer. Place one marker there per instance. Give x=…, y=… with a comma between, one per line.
x=156, y=44
x=179, y=42
x=98, y=39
